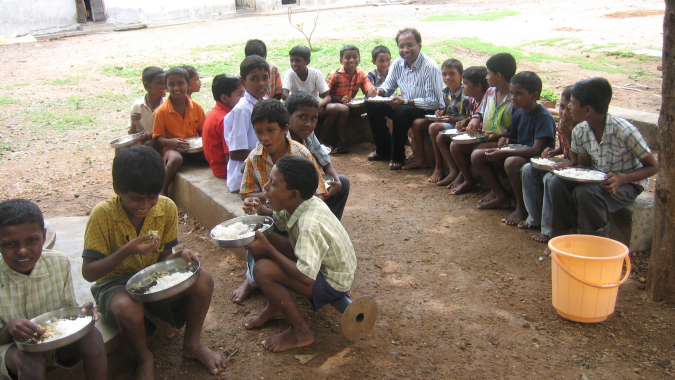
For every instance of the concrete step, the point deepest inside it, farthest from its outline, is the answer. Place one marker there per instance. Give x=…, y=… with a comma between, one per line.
x=634, y=224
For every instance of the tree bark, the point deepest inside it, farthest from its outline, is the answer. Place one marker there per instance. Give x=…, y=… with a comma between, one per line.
x=661, y=274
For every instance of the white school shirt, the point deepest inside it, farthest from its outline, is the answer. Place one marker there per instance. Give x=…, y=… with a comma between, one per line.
x=315, y=83
x=239, y=135
x=147, y=115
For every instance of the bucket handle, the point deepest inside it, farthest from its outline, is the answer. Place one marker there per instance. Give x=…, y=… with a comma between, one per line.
x=555, y=258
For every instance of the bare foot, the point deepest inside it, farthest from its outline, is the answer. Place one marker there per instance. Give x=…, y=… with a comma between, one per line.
x=269, y=312
x=491, y=196
x=213, y=361
x=241, y=292
x=463, y=188
x=417, y=164
x=448, y=179
x=524, y=225
x=438, y=173
x=498, y=202
x=145, y=369
x=288, y=340
x=458, y=181
x=515, y=218
x=541, y=238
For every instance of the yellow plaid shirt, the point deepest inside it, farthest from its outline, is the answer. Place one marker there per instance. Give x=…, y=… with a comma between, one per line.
x=109, y=229
x=259, y=166
x=320, y=243
x=47, y=288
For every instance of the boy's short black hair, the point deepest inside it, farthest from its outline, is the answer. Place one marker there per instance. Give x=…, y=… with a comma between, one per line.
x=300, y=51
x=19, y=211
x=380, y=49
x=567, y=93
x=595, y=92
x=139, y=169
x=529, y=80
x=149, y=73
x=454, y=63
x=502, y=63
x=300, y=99
x=270, y=110
x=299, y=174
x=224, y=84
x=477, y=75
x=413, y=31
x=348, y=48
x=192, y=72
x=252, y=62
x=255, y=47
x=177, y=71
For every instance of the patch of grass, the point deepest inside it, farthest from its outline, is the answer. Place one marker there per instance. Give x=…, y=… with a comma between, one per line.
x=548, y=94
x=5, y=100
x=60, y=120
x=630, y=54
x=113, y=70
x=488, y=16
x=67, y=81
x=5, y=145
x=475, y=43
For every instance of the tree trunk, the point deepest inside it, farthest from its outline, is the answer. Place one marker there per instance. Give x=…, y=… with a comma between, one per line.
x=661, y=274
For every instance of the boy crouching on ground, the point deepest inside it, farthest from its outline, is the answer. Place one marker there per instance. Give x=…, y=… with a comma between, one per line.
x=34, y=282
x=601, y=142
x=317, y=260
x=117, y=245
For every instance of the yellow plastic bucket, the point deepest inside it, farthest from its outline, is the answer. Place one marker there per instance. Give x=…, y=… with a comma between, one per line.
x=585, y=276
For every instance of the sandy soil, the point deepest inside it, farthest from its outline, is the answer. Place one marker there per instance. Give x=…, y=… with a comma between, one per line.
x=460, y=294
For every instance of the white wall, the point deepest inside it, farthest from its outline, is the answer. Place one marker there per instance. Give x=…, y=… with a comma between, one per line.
x=19, y=17
x=166, y=11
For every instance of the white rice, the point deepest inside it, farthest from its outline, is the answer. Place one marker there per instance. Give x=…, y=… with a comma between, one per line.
x=506, y=148
x=196, y=143
x=65, y=327
x=543, y=161
x=592, y=175
x=464, y=137
x=168, y=281
x=379, y=98
x=234, y=231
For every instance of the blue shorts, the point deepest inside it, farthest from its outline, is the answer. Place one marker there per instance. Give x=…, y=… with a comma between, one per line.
x=448, y=126
x=323, y=293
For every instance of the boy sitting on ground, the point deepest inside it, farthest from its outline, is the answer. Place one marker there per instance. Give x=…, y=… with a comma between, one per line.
x=382, y=60
x=175, y=121
x=258, y=47
x=344, y=83
x=302, y=77
x=226, y=92
x=237, y=128
x=316, y=260
x=532, y=126
x=117, y=245
x=474, y=85
x=535, y=196
x=457, y=108
x=493, y=118
x=195, y=83
x=605, y=143
x=34, y=282
x=143, y=109
x=304, y=110
x=270, y=122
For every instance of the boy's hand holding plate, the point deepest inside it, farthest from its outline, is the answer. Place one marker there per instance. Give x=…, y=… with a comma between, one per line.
x=260, y=247
x=560, y=165
x=90, y=306
x=612, y=183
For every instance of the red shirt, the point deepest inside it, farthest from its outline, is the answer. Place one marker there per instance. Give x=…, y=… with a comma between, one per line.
x=215, y=147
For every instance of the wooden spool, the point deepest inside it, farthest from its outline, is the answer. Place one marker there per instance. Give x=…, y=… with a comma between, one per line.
x=358, y=316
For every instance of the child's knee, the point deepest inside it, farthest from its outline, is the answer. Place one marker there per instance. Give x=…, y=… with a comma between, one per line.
x=512, y=165
x=28, y=362
x=127, y=311
x=436, y=128
x=263, y=268
x=478, y=155
x=205, y=281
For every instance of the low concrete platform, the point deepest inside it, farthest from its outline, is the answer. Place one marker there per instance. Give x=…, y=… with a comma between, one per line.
x=646, y=122
x=70, y=240
x=634, y=224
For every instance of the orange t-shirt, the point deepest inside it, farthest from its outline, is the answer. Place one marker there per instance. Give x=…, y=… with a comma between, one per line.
x=171, y=124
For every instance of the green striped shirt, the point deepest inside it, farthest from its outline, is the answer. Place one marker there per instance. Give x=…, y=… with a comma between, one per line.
x=320, y=243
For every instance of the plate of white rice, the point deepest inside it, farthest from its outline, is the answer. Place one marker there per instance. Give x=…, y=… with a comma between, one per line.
x=239, y=232
x=546, y=163
x=196, y=145
x=62, y=327
x=581, y=175
x=465, y=138
x=163, y=280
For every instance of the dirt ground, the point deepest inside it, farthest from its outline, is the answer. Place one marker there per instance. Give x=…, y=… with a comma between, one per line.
x=460, y=295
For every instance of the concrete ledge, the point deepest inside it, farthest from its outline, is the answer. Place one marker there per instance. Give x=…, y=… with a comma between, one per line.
x=198, y=192
x=646, y=122
x=633, y=224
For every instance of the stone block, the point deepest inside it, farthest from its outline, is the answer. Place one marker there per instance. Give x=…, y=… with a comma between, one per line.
x=646, y=122
x=633, y=224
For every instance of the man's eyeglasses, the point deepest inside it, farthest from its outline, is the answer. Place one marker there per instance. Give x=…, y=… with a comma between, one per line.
x=409, y=45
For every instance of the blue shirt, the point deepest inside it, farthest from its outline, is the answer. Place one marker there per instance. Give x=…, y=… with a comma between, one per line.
x=314, y=147
x=527, y=127
x=421, y=82
x=239, y=135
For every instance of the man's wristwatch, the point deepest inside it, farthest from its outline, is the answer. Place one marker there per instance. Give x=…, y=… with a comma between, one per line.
x=410, y=102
